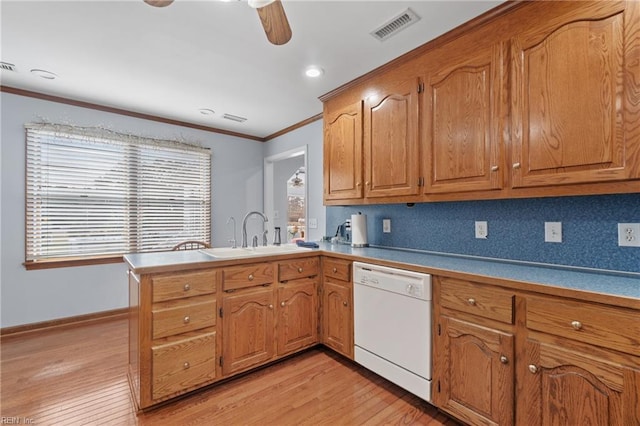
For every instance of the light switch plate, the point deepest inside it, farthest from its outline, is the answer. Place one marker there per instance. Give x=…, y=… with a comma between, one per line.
x=386, y=226
x=313, y=223
x=553, y=232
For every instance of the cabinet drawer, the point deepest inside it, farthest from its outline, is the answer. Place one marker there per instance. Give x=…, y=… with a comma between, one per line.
x=181, y=365
x=183, y=317
x=176, y=286
x=236, y=277
x=601, y=325
x=300, y=268
x=337, y=268
x=478, y=299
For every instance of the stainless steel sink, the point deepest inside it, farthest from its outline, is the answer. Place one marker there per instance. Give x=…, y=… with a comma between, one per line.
x=231, y=253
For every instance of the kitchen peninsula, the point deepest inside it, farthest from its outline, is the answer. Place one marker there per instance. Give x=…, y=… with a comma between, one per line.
x=190, y=313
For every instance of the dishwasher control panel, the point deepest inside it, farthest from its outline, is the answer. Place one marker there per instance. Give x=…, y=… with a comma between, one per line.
x=399, y=281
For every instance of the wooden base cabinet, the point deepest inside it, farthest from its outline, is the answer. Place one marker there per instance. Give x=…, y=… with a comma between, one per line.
x=297, y=321
x=248, y=322
x=474, y=374
x=581, y=363
x=337, y=308
x=173, y=334
x=506, y=357
x=477, y=376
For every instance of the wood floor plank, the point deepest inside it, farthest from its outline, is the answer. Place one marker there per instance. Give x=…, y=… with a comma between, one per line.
x=77, y=376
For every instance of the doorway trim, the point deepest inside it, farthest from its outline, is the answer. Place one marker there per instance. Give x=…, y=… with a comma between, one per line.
x=269, y=164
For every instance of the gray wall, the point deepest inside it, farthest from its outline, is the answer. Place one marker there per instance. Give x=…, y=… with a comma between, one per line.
x=42, y=295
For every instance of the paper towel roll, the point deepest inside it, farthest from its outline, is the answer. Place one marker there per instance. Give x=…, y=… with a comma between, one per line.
x=359, y=230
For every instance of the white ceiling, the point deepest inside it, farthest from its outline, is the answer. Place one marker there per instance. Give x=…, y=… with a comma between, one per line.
x=171, y=62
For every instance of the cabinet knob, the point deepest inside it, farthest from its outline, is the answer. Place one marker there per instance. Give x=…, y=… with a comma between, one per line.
x=358, y=184
x=504, y=359
x=345, y=304
x=270, y=306
x=516, y=165
x=335, y=270
x=283, y=304
x=494, y=168
x=187, y=287
x=186, y=365
x=577, y=325
x=367, y=183
x=471, y=301
x=300, y=270
x=250, y=277
x=186, y=319
x=533, y=368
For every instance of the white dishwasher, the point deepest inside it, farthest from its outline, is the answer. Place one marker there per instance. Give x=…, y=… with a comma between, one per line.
x=392, y=325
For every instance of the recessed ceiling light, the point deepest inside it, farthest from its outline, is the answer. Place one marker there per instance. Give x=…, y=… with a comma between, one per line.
x=44, y=74
x=314, y=71
x=206, y=111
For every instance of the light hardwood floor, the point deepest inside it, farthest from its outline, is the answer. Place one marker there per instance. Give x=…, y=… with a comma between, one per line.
x=77, y=376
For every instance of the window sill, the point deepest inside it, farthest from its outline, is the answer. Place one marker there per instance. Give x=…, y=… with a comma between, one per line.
x=70, y=262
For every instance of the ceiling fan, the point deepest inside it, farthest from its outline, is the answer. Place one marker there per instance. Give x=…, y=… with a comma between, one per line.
x=271, y=13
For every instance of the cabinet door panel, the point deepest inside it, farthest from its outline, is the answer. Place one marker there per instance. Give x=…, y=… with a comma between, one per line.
x=475, y=373
x=337, y=317
x=343, y=153
x=391, y=140
x=248, y=329
x=571, y=87
x=562, y=387
x=297, y=315
x=463, y=104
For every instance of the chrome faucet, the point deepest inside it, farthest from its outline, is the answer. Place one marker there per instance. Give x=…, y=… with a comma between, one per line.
x=233, y=240
x=244, y=226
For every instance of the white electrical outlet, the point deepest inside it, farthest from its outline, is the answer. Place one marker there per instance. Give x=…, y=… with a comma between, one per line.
x=629, y=234
x=386, y=226
x=553, y=232
x=482, y=229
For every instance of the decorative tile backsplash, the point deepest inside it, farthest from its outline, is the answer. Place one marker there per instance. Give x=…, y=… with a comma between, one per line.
x=515, y=228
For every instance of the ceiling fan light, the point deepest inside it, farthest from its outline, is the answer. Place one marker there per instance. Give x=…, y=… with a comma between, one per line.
x=257, y=4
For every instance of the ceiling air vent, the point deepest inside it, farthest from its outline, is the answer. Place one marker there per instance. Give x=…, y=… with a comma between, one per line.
x=234, y=118
x=7, y=66
x=395, y=25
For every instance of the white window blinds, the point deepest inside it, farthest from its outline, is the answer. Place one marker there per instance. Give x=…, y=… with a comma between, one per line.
x=96, y=193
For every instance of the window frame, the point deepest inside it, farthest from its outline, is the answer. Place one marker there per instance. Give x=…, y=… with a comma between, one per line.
x=133, y=206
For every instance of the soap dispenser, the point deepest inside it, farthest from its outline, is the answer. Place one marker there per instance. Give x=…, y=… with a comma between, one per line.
x=276, y=236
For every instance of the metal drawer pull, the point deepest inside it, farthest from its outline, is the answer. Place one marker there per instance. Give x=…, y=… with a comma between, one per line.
x=270, y=306
x=250, y=277
x=471, y=301
x=345, y=304
x=504, y=359
x=577, y=325
x=533, y=368
x=335, y=270
x=516, y=165
x=186, y=319
x=186, y=365
x=187, y=287
x=300, y=270
x=494, y=168
x=283, y=304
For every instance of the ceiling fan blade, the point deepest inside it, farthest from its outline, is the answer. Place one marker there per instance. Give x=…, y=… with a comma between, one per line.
x=275, y=23
x=158, y=3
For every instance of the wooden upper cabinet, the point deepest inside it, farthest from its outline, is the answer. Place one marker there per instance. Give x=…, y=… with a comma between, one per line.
x=391, y=145
x=575, y=104
x=343, y=152
x=462, y=121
